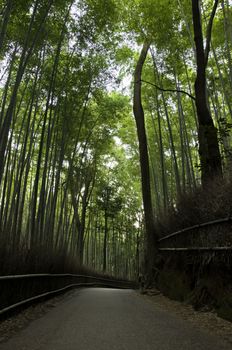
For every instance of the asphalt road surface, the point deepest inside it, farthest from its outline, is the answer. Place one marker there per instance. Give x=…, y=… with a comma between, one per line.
x=107, y=319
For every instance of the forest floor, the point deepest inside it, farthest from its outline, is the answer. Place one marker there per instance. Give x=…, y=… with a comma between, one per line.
x=205, y=318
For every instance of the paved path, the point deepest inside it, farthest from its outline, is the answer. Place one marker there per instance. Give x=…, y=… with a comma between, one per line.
x=107, y=319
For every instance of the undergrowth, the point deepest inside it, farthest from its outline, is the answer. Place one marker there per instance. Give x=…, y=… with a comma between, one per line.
x=202, y=205
x=42, y=260
x=202, y=278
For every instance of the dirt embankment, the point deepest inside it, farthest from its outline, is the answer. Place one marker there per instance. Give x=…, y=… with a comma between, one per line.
x=205, y=286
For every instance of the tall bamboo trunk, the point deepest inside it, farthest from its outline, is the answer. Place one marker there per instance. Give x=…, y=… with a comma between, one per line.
x=208, y=142
x=150, y=240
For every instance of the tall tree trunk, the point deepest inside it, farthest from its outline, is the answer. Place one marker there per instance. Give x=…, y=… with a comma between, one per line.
x=208, y=142
x=150, y=238
x=227, y=40
x=105, y=241
x=162, y=156
x=5, y=20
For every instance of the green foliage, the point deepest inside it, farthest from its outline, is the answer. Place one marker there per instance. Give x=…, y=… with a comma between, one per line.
x=72, y=119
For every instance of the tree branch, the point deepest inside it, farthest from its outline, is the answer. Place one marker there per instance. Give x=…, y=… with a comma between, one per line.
x=168, y=90
x=209, y=31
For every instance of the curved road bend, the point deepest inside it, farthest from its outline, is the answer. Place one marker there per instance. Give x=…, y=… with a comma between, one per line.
x=107, y=319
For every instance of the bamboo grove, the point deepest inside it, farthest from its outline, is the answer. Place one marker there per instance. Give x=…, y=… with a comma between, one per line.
x=69, y=158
